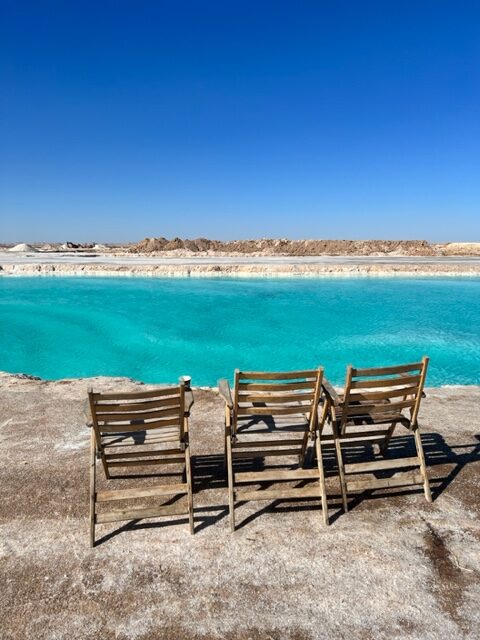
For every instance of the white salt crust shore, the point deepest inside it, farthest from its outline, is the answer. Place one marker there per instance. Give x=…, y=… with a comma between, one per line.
x=393, y=568
x=243, y=270
x=19, y=378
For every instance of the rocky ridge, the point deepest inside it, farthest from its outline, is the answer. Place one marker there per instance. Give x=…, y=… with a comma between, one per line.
x=269, y=246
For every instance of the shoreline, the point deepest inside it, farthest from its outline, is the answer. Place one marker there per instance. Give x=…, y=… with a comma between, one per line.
x=221, y=265
x=251, y=269
x=7, y=377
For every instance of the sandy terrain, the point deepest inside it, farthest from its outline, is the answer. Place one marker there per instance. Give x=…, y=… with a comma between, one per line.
x=160, y=257
x=394, y=567
x=311, y=247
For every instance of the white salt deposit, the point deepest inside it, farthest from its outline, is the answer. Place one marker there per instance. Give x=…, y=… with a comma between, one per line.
x=23, y=248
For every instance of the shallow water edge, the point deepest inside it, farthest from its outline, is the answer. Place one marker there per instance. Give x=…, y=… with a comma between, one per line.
x=13, y=378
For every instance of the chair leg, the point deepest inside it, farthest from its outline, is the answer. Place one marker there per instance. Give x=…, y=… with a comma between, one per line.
x=228, y=423
x=321, y=473
x=386, y=442
x=341, y=468
x=225, y=455
x=231, y=505
x=188, y=473
x=93, y=462
x=423, y=466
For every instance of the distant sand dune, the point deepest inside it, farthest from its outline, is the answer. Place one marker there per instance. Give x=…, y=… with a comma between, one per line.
x=461, y=249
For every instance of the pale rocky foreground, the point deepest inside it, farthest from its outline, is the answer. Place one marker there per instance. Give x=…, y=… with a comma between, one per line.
x=392, y=568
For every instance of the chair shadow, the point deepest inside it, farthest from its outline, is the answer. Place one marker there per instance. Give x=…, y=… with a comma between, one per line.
x=437, y=453
x=281, y=505
x=202, y=521
x=256, y=425
x=284, y=506
x=209, y=474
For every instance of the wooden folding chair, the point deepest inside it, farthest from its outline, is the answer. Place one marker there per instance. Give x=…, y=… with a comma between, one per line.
x=140, y=429
x=271, y=415
x=373, y=403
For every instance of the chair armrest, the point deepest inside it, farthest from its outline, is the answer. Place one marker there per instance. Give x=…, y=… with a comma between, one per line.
x=330, y=392
x=224, y=391
x=189, y=400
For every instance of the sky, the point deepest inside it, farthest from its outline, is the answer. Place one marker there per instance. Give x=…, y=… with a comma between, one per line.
x=121, y=120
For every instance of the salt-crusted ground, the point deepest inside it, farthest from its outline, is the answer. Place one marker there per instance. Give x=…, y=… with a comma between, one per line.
x=393, y=567
x=183, y=263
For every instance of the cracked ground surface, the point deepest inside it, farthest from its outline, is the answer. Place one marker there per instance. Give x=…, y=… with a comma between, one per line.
x=393, y=567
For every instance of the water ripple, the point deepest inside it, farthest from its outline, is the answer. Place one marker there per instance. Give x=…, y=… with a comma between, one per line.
x=156, y=330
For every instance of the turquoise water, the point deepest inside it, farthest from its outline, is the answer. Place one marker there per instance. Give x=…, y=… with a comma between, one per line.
x=158, y=329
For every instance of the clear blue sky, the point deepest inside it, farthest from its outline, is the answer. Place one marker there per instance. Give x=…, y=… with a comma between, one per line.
x=120, y=120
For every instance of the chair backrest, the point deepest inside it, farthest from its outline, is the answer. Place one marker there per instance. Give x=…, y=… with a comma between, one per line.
x=140, y=411
x=290, y=393
x=383, y=393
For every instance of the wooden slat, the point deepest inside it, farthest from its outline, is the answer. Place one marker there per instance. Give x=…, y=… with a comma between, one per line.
x=275, y=494
x=386, y=371
x=278, y=386
x=166, y=452
x=276, y=476
x=363, y=434
x=374, y=419
x=385, y=483
x=137, y=395
x=266, y=443
x=382, y=395
x=355, y=440
x=266, y=452
x=372, y=409
x=357, y=435
x=141, y=463
x=140, y=454
x=146, y=415
x=270, y=411
x=377, y=465
x=143, y=426
x=136, y=406
x=385, y=382
x=285, y=398
x=138, y=514
x=112, y=441
x=284, y=375
x=146, y=492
